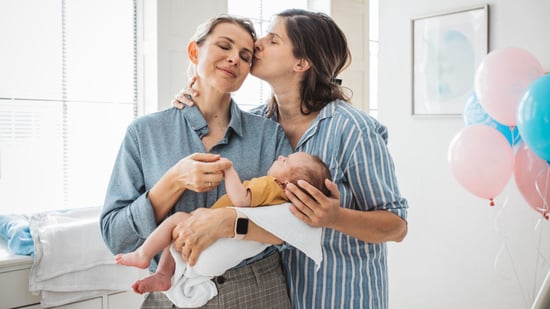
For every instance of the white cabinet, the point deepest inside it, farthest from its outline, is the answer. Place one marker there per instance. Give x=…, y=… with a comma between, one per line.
x=14, y=291
x=14, y=288
x=124, y=300
x=93, y=303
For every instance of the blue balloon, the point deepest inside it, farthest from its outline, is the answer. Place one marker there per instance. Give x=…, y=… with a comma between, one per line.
x=475, y=114
x=533, y=118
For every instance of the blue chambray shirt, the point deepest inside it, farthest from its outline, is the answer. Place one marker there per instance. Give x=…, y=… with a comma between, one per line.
x=153, y=143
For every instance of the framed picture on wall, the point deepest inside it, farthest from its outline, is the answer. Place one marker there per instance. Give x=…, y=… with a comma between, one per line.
x=447, y=48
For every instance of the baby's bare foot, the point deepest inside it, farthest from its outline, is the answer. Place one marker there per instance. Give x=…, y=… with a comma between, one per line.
x=155, y=283
x=133, y=259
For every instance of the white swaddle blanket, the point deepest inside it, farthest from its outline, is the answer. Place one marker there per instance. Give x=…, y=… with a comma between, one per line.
x=192, y=287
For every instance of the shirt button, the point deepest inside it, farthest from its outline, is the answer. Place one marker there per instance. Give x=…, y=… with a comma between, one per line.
x=220, y=279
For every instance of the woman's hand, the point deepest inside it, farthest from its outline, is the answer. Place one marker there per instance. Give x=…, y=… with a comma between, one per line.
x=200, y=230
x=314, y=208
x=320, y=210
x=186, y=96
x=200, y=172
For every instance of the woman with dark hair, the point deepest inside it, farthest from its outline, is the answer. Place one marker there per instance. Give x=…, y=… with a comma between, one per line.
x=300, y=58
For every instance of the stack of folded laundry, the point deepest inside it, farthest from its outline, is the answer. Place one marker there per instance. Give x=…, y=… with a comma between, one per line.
x=71, y=261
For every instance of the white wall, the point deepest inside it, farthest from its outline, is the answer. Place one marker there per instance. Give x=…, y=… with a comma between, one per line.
x=352, y=17
x=451, y=258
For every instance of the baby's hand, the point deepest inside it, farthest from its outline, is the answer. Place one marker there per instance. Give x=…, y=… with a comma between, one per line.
x=226, y=160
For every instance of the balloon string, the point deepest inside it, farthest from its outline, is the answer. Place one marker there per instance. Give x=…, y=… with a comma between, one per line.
x=542, y=195
x=505, y=246
x=499, y=213
x=538, y=225
x=538, y=256
x=513, y=141
x=523, y=292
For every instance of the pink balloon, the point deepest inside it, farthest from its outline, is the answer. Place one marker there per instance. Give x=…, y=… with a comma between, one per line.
x=481, y=160
x=532, y=175
x=502, y=78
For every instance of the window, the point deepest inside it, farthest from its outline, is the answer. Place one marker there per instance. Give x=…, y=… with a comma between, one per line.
x=67, y=92
x=254, y=91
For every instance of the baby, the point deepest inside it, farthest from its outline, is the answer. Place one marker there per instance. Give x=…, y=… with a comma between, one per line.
x=261, y=191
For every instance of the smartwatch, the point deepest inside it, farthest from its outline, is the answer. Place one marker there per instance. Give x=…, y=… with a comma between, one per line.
x=241, y=225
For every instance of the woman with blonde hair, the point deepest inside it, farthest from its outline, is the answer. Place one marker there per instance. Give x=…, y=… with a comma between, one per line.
x=169, y=162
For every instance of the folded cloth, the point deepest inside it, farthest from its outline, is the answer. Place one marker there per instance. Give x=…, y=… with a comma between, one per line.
x=192, y=287
x=189, y=289
x=15, y=229
x=279, y=221
x=71, y=260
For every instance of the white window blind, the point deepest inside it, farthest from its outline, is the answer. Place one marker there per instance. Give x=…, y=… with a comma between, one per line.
x=255, y=91
x=67, y=92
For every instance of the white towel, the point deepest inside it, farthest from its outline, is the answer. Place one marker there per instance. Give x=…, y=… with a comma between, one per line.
x=192, y=287
x=71, y=260
x=279, y=221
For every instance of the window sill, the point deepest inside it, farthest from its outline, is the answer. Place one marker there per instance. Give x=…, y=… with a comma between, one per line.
x=10, y=261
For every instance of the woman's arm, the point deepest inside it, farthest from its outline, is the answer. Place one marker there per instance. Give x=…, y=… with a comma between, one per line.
x=378, y=211
x=130, y=213
x=321, y=211
x=127, y=216
x=207, y=225
x=199, y=172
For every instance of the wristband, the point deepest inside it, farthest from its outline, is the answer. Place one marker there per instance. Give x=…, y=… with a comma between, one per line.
x=241, y=225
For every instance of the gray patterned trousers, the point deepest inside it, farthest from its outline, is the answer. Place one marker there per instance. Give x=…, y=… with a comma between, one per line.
x=257, y=285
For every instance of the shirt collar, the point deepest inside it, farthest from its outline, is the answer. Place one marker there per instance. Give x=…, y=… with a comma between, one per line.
x=326, y=112
x=198, y=123
x=235, y=123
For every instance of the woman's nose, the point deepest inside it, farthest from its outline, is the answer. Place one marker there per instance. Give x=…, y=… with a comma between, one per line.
x=258, y=45
x=233, y=58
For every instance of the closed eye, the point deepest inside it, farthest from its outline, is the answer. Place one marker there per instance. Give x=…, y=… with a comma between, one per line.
x=224, y=46
x=274, y=38
x=246, y=56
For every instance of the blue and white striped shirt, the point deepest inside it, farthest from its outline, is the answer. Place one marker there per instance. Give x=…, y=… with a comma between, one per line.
x=353, y=273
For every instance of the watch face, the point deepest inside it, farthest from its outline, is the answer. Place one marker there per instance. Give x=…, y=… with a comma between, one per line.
x=242, y=226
